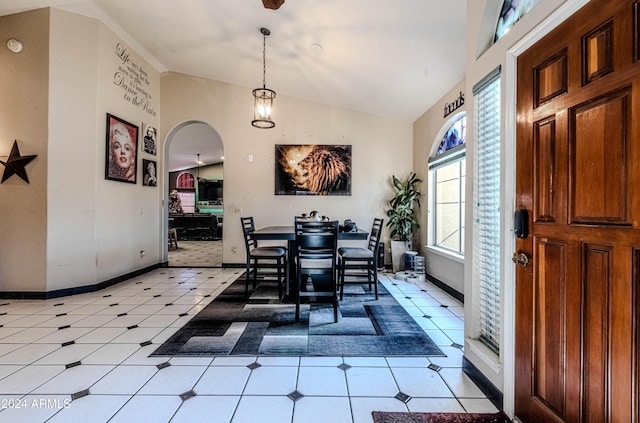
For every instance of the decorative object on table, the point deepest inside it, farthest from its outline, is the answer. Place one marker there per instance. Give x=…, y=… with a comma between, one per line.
x=313, y=169
x=263, y=97
x=149, y=144
x=122, y=141
x=349, y=226
x=402, y=218
x=15, y=164
x=149, y=169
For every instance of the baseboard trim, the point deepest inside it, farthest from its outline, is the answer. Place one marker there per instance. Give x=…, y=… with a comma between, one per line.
x=446, y=288
x=35, y=295
x=489, y=389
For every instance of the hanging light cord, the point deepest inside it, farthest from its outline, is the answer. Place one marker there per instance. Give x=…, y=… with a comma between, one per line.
x=264, y=61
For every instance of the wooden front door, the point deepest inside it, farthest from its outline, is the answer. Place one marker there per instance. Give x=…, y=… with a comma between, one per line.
x=578, y=177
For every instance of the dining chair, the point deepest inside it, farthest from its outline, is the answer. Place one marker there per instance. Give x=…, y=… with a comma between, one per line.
x=361, y=258
x=257, y=254
x=316, y=250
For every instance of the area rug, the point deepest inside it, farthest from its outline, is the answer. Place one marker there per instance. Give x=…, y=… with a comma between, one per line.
x=389, y=417
x=265, y=325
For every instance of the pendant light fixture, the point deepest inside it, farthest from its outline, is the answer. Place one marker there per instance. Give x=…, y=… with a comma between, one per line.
x=263, y=97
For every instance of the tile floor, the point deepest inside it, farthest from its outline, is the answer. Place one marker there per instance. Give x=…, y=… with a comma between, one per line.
x=196, y=254
x=85, y=358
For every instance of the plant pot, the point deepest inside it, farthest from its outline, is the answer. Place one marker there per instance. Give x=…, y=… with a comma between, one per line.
x=398, y=248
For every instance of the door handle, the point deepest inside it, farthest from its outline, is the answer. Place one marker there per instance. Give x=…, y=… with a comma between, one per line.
x=522, y=259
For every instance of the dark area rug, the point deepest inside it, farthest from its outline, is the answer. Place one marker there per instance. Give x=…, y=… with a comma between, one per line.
x=388, y=417
x=265, y=325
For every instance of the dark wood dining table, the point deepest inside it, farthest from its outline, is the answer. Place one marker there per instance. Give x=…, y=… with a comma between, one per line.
x=287, y=233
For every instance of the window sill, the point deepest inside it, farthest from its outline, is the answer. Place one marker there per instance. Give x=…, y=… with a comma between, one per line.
x=445, y=253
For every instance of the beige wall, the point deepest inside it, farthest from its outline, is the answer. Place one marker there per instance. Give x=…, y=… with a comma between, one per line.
x=381, y=147
x=23, y=117
x=70, y=227
x=428, y=131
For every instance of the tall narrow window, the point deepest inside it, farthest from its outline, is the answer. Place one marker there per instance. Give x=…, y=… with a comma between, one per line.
x=447, y=179
x=486, y=228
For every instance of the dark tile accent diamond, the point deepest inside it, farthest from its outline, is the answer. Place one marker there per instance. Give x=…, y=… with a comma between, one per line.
x=344, y=366
x=187, y=395
x=167, y=305
x=79, y=394
x=132, y=327
x=408, y=298
x=192, y=289
x=122, y=314
x=254, y=365
x=106, y=296
x=402, y=397
x=74, y=364
x=157, y=295
x=4, y=304
x=66, y=344
x=146, y=289
x=427, y=316
x=295, y=396
x=145, y=343
x=163, y=365
x=458, y=346
x=64, y=327
x=113, y=305
x=57, y=315
x=138, y=283
x=434, y=367
x=207, y=296
x=183, y=314
x=444, y=306
x=59, y=304
x=180, y=283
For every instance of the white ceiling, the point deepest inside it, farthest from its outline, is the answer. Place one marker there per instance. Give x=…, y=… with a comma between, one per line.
x=388, y=58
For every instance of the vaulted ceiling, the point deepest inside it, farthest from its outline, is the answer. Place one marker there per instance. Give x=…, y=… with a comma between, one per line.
x=387, y=58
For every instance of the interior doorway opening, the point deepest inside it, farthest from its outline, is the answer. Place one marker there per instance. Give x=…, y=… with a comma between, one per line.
x=195, y=196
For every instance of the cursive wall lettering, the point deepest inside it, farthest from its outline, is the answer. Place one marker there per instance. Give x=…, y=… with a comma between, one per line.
x=133, y=80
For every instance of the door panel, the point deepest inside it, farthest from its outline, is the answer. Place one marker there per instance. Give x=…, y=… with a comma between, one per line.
x=578, y=172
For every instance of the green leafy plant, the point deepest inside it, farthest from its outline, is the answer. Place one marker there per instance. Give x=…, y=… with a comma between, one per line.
x=401, y=213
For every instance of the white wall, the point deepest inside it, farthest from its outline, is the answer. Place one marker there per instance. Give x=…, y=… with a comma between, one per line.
x=380, y=147
x=427, y=135
x=70, y=227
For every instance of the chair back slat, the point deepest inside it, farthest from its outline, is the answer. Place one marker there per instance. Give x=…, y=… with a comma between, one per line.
x=374, y=236
x=248, y=227
x=316, y=240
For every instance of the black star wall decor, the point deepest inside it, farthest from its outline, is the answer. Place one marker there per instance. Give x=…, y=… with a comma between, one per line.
x=15, y=164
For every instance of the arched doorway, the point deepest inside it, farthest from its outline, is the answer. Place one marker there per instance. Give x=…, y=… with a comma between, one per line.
x=194, y=182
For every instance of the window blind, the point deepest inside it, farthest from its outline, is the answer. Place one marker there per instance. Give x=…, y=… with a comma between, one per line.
x=486, y=235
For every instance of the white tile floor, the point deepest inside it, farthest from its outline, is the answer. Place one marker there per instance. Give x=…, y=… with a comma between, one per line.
x=85, y=358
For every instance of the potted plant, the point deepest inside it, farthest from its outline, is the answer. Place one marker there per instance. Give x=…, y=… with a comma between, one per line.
x=402, y=219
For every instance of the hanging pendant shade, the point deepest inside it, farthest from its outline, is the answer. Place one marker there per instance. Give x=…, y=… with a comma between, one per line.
x=263, y=97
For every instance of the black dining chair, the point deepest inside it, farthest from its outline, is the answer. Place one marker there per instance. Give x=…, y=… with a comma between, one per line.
x=256, y=254
x=361, y=258
x=316, y=250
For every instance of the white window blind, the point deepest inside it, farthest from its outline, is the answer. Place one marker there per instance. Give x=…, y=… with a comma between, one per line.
x=486, y=230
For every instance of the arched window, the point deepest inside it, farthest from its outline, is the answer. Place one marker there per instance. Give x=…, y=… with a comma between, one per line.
x=185, y=180
x=511, y=12
x=447, y=194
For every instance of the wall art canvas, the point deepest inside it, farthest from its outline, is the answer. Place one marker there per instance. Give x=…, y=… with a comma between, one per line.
x=149, y=178
x=122, y=142
x=313, y=169
x=149, y=144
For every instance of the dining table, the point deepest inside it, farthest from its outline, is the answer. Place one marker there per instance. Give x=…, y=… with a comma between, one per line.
x=288, y=233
